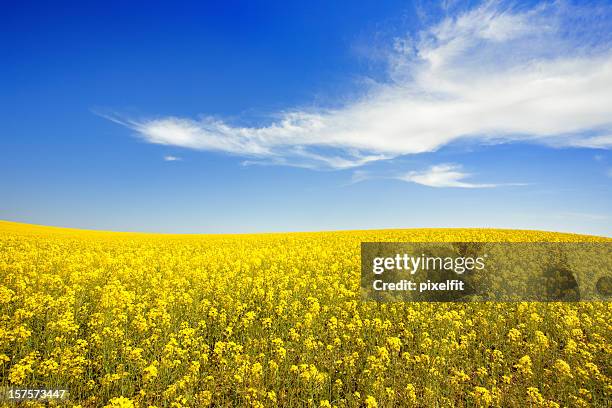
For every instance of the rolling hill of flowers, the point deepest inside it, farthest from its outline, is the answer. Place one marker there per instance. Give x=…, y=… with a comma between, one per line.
x=265, y=320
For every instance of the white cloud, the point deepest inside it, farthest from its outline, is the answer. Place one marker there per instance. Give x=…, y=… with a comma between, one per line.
x=610, y=173
x=488, y=75
x=361, y=175
x=443, y=175
x=172, y=158
x=594, y=142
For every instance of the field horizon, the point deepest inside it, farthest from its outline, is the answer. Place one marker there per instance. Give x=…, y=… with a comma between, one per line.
x=15, y=226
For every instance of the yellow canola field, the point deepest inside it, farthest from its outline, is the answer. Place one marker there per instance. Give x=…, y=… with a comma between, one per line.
x=139, y=320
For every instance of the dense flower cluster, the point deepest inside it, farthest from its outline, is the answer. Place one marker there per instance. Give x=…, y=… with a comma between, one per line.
x=140, y=320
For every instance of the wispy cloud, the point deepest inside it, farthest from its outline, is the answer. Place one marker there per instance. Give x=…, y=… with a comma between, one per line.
x=489, y=75
x=439, y=176
x=172, y=158
x=443, y=175
x=610, y=173
x=361, y=175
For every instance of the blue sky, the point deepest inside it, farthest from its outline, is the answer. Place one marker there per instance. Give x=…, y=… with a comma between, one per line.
x=262, y=116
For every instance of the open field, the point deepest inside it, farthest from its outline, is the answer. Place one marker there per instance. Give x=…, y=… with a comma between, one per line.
x=124, y=320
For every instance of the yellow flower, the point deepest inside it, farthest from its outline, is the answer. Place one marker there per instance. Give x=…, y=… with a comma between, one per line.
x=204, y=398
x=120, y=402
x=514, y=334
x=524, y=365
x=394, y=343
x=482, y=397
x=150, y=372
x=411, y=394
x=563, y=368
x=534, y=396
x=271, y=395
x=541, y=339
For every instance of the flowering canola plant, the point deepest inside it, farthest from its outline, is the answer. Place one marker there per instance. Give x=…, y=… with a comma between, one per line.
x=265, y=320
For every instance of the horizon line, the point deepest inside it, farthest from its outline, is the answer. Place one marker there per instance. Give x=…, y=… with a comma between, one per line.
x=104, y=231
